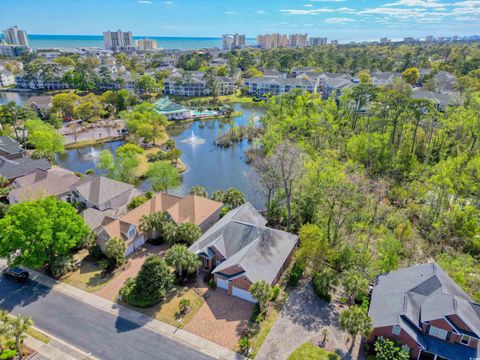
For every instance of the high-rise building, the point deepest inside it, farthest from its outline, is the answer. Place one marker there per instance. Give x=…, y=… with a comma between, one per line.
x=408, y=40
x=317, y=41
x=385, y=40
x=271, y=41
x=297, y=40
x=15, y=36
x=118, y=40
x=233, y=41
x=429, y=38
x=146, y=44
x=334, y=42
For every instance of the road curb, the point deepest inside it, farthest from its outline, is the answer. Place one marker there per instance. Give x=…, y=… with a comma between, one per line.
x=181, y=336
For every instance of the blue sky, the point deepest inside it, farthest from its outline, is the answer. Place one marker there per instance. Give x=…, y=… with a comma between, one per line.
x=337, y=19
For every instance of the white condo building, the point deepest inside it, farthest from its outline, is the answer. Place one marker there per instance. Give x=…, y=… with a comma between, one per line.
x=118, y=40
x=233, y=41
x=15, y=36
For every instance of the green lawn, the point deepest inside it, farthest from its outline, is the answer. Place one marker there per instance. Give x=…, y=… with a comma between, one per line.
x=89, y=276
x=167, y=311
x=309, y=351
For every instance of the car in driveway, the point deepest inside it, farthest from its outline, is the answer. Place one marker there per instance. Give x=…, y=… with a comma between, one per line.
x=16, y=274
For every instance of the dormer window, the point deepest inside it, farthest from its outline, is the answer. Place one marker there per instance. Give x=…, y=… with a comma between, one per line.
x=396, y=329
x=437, y=332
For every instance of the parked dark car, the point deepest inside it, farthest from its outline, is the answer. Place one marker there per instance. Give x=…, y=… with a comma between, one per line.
x=16, y=274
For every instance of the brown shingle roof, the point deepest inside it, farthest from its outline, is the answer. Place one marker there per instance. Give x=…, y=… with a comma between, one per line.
x=191, y=208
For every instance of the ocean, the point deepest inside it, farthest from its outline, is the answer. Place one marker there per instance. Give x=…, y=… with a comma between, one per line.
x=73, y=41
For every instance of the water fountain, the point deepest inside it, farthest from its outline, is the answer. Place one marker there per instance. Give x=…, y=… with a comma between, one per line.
x=193, y=139
x=93, y=154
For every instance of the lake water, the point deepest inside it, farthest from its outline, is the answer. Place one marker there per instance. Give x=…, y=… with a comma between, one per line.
x=18, y=97
x=207, y=165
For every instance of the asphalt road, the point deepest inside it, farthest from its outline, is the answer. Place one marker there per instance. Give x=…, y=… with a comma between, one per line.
x=105, y=335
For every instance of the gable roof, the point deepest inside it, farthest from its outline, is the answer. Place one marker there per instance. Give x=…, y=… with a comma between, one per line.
x=12, y=169
x=9, y=145
x=243, y=240
x=98, y=190
x=41, y=183
x=191, y=208
x=420, y=294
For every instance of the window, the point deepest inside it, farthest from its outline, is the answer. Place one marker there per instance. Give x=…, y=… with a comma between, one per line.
x=465, y=340
x=437, y=332
x=396, y=329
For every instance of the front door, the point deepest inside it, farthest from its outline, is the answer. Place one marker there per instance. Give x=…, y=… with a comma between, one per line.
x=206, y=264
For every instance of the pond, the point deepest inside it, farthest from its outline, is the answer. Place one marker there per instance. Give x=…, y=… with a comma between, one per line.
x=17, y=97
x=207, y=165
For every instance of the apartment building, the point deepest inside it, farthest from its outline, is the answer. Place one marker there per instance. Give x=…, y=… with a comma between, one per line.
x=15, y=36
x=13, y=50
x=118, y=40
x=146, y=44
x=317, y=41
x=262, y=86
x=194, y=84
x=297, y=40
x=272, y=41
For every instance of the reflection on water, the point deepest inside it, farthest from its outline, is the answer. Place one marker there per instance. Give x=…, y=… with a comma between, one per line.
x=17, y=97
x=208, y=165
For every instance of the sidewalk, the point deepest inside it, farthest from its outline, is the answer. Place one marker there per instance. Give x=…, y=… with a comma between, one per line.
x=182, y=336
x=54, y=350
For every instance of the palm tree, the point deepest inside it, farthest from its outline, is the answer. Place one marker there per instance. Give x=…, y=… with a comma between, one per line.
x=154, y=223
x=183, y=260
x=20, y=325
x=355, y=321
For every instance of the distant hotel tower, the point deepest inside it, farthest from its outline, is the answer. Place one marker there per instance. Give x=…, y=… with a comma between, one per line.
x=118, y=40
x=15, y=36
x=271, y=41
x=146, y=44
x=233, y=41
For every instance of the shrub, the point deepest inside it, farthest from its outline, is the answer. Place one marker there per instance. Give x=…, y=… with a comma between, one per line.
x=62, y=265
x=262, y=292
x=188, y=233
x=90, y=172
x=184, y=306
x=136, y=202
x=212, y=283
x=275, y=292
x=8, y=354
x=386, y=349
x=115, y=251
x=323, y=284
x=244, y=344
x=296, y=273
x=151, y=284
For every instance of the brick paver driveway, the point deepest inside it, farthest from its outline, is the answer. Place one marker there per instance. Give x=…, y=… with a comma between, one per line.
x=221, y=319
x=301, y=320
x=110, y=291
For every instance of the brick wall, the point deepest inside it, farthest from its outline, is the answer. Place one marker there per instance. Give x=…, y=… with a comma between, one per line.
x=403, y=338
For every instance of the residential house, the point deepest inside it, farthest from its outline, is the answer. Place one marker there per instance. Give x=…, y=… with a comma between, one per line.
x=10, y=148
x=445, y=82
x=15, y=168
x=380, y=78
x=260, y=86
x=298, y=70
x=240, y=250
x=104, y=194
x=41, y=183
x=424, y=310
x=189, y=209
x=441, y=100
x=273, y=73
x=171, y=110
x=335, y=85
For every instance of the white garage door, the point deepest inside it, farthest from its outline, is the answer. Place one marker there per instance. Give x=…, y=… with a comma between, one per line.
x=129, y=249
x=243, y=294
x=222, y=283
x=139, y=242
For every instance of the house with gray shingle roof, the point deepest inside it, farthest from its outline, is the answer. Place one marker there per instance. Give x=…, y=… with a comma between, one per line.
x=424, y=310
x=10, y=148
x=14, y=168
x=240, y=250
x=103, y=194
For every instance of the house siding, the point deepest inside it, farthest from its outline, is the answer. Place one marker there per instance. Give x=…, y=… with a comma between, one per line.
x=461, y=325
x=403, y=338
x=241, y=282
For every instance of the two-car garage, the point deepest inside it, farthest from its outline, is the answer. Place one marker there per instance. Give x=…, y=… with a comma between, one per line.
x=234, y=291
x=134, y=245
